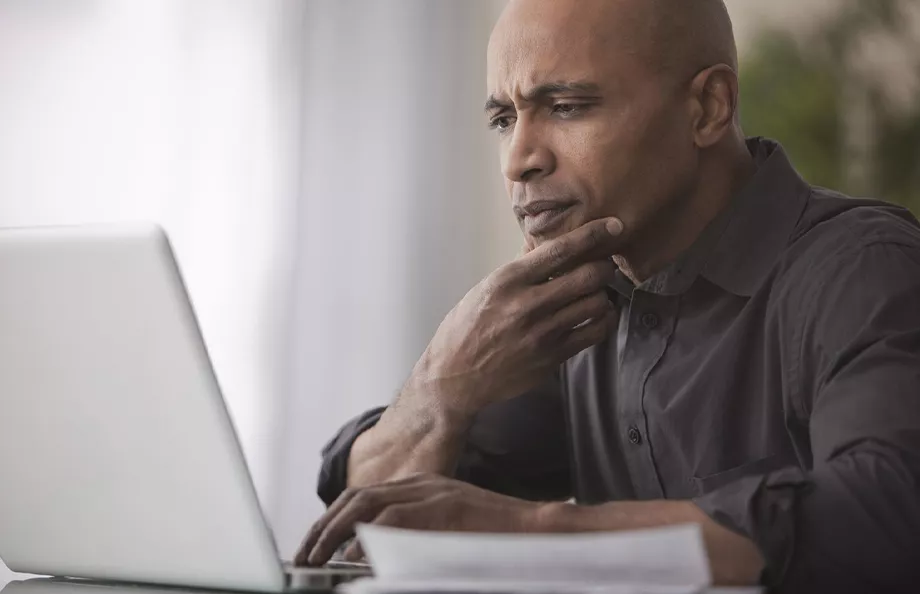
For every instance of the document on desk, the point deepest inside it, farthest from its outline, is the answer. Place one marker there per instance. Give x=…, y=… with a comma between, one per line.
x=657, y=561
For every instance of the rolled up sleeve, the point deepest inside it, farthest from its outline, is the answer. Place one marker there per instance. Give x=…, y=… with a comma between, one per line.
x=333, y=472
x=851, y=521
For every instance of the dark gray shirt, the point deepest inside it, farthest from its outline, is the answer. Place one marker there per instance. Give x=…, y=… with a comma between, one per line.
x=771, y=374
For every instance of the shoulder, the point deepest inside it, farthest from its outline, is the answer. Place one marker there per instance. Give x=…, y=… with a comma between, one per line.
x=850, y=277
x=841, y=238
x=851, y=264
x=833, y=222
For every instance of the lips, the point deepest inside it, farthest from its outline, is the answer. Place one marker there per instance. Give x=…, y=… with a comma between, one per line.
x=542, y=217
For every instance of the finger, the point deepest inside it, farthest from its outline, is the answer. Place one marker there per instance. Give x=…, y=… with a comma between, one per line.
x=529, y=245
x=361, y=508
x=408, y=515
x=354, y=552
x=309, y=542
x=591, y=307
x=589, y=334
x=526, y=248
x=594, y=240
x=364, y=507
x=585, y=280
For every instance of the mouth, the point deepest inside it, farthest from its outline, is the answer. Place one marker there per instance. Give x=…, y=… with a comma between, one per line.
x=543, y=217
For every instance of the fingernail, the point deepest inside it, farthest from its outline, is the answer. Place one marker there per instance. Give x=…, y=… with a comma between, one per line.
x=614, y=226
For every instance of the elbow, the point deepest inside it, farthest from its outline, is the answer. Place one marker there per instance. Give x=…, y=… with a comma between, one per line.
x=858, y=528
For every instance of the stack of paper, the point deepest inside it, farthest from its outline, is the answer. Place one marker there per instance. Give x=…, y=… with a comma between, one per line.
x=660, y=561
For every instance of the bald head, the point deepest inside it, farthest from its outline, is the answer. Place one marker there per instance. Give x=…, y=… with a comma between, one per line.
x=687, y=36
x=674, y=37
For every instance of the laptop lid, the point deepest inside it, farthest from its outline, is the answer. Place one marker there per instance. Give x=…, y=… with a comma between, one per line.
x=118, y=459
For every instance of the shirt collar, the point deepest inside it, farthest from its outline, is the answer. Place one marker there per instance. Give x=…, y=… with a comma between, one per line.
x=739, y=247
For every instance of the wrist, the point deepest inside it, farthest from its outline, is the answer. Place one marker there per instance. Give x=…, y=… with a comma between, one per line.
x=443, y=405
x=422, y=413
x=554, y=517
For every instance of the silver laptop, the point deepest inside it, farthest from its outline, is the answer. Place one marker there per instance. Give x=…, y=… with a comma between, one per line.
x=118, y=459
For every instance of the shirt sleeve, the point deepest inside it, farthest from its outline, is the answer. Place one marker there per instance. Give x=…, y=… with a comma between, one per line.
x=851, y=522
x=517, y=448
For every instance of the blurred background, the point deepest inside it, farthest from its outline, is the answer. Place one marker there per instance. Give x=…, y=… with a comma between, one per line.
x=328, y=182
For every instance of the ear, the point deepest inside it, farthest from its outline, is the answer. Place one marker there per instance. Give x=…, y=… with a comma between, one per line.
x=714, y=93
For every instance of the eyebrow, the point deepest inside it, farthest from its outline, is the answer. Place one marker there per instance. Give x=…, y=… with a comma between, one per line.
x=545, y=90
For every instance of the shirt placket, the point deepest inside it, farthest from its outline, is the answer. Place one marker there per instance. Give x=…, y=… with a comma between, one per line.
x=650, y=323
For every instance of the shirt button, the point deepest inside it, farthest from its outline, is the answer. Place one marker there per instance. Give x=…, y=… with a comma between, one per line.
x=634, y=436
x=650, y=321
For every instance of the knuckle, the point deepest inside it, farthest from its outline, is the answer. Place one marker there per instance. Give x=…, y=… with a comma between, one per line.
x=598, y=305
x=547, y=341
x=597, y=275
x=363, y=498
x=533, y=343
x=515, y=310
x=596, y=234
x=493, y=284
x=591, y=275
x=392, y=516
x=500, y=276
x=558, y=251
x=487, y=291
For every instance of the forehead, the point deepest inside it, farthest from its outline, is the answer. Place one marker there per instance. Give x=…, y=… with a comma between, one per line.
x=536, y=42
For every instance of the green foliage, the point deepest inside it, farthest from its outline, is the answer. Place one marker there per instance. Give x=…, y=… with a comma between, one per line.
x=898, y=158
x=793, y=89
x=789, y=98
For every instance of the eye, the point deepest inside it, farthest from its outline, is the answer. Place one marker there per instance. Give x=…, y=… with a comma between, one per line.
x=566, y=109
x=501, y=123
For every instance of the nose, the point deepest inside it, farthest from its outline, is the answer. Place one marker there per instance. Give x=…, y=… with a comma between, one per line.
x=527, y=156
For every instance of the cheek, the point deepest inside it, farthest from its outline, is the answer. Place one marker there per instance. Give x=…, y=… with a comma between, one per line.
x=599, y=154
x=579, y=155
x=636, y=161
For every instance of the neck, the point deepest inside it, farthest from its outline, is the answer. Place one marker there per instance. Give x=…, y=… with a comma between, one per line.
x=679, y=226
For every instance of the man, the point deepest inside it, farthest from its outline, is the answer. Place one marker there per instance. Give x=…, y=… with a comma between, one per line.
x=751, y=362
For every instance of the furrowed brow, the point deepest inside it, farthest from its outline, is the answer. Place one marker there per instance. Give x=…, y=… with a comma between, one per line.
x=541, y=92
x=493, y=103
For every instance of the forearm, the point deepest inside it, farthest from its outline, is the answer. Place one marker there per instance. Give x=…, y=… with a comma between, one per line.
x=516, y=447
x=733, y=559
x=406, y=441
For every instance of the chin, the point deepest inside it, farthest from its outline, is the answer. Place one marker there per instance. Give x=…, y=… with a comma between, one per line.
x=573, y=221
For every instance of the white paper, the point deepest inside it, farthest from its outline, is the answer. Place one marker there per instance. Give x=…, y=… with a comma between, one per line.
x=376, y=586
x=663, y=560
x=379, y=586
